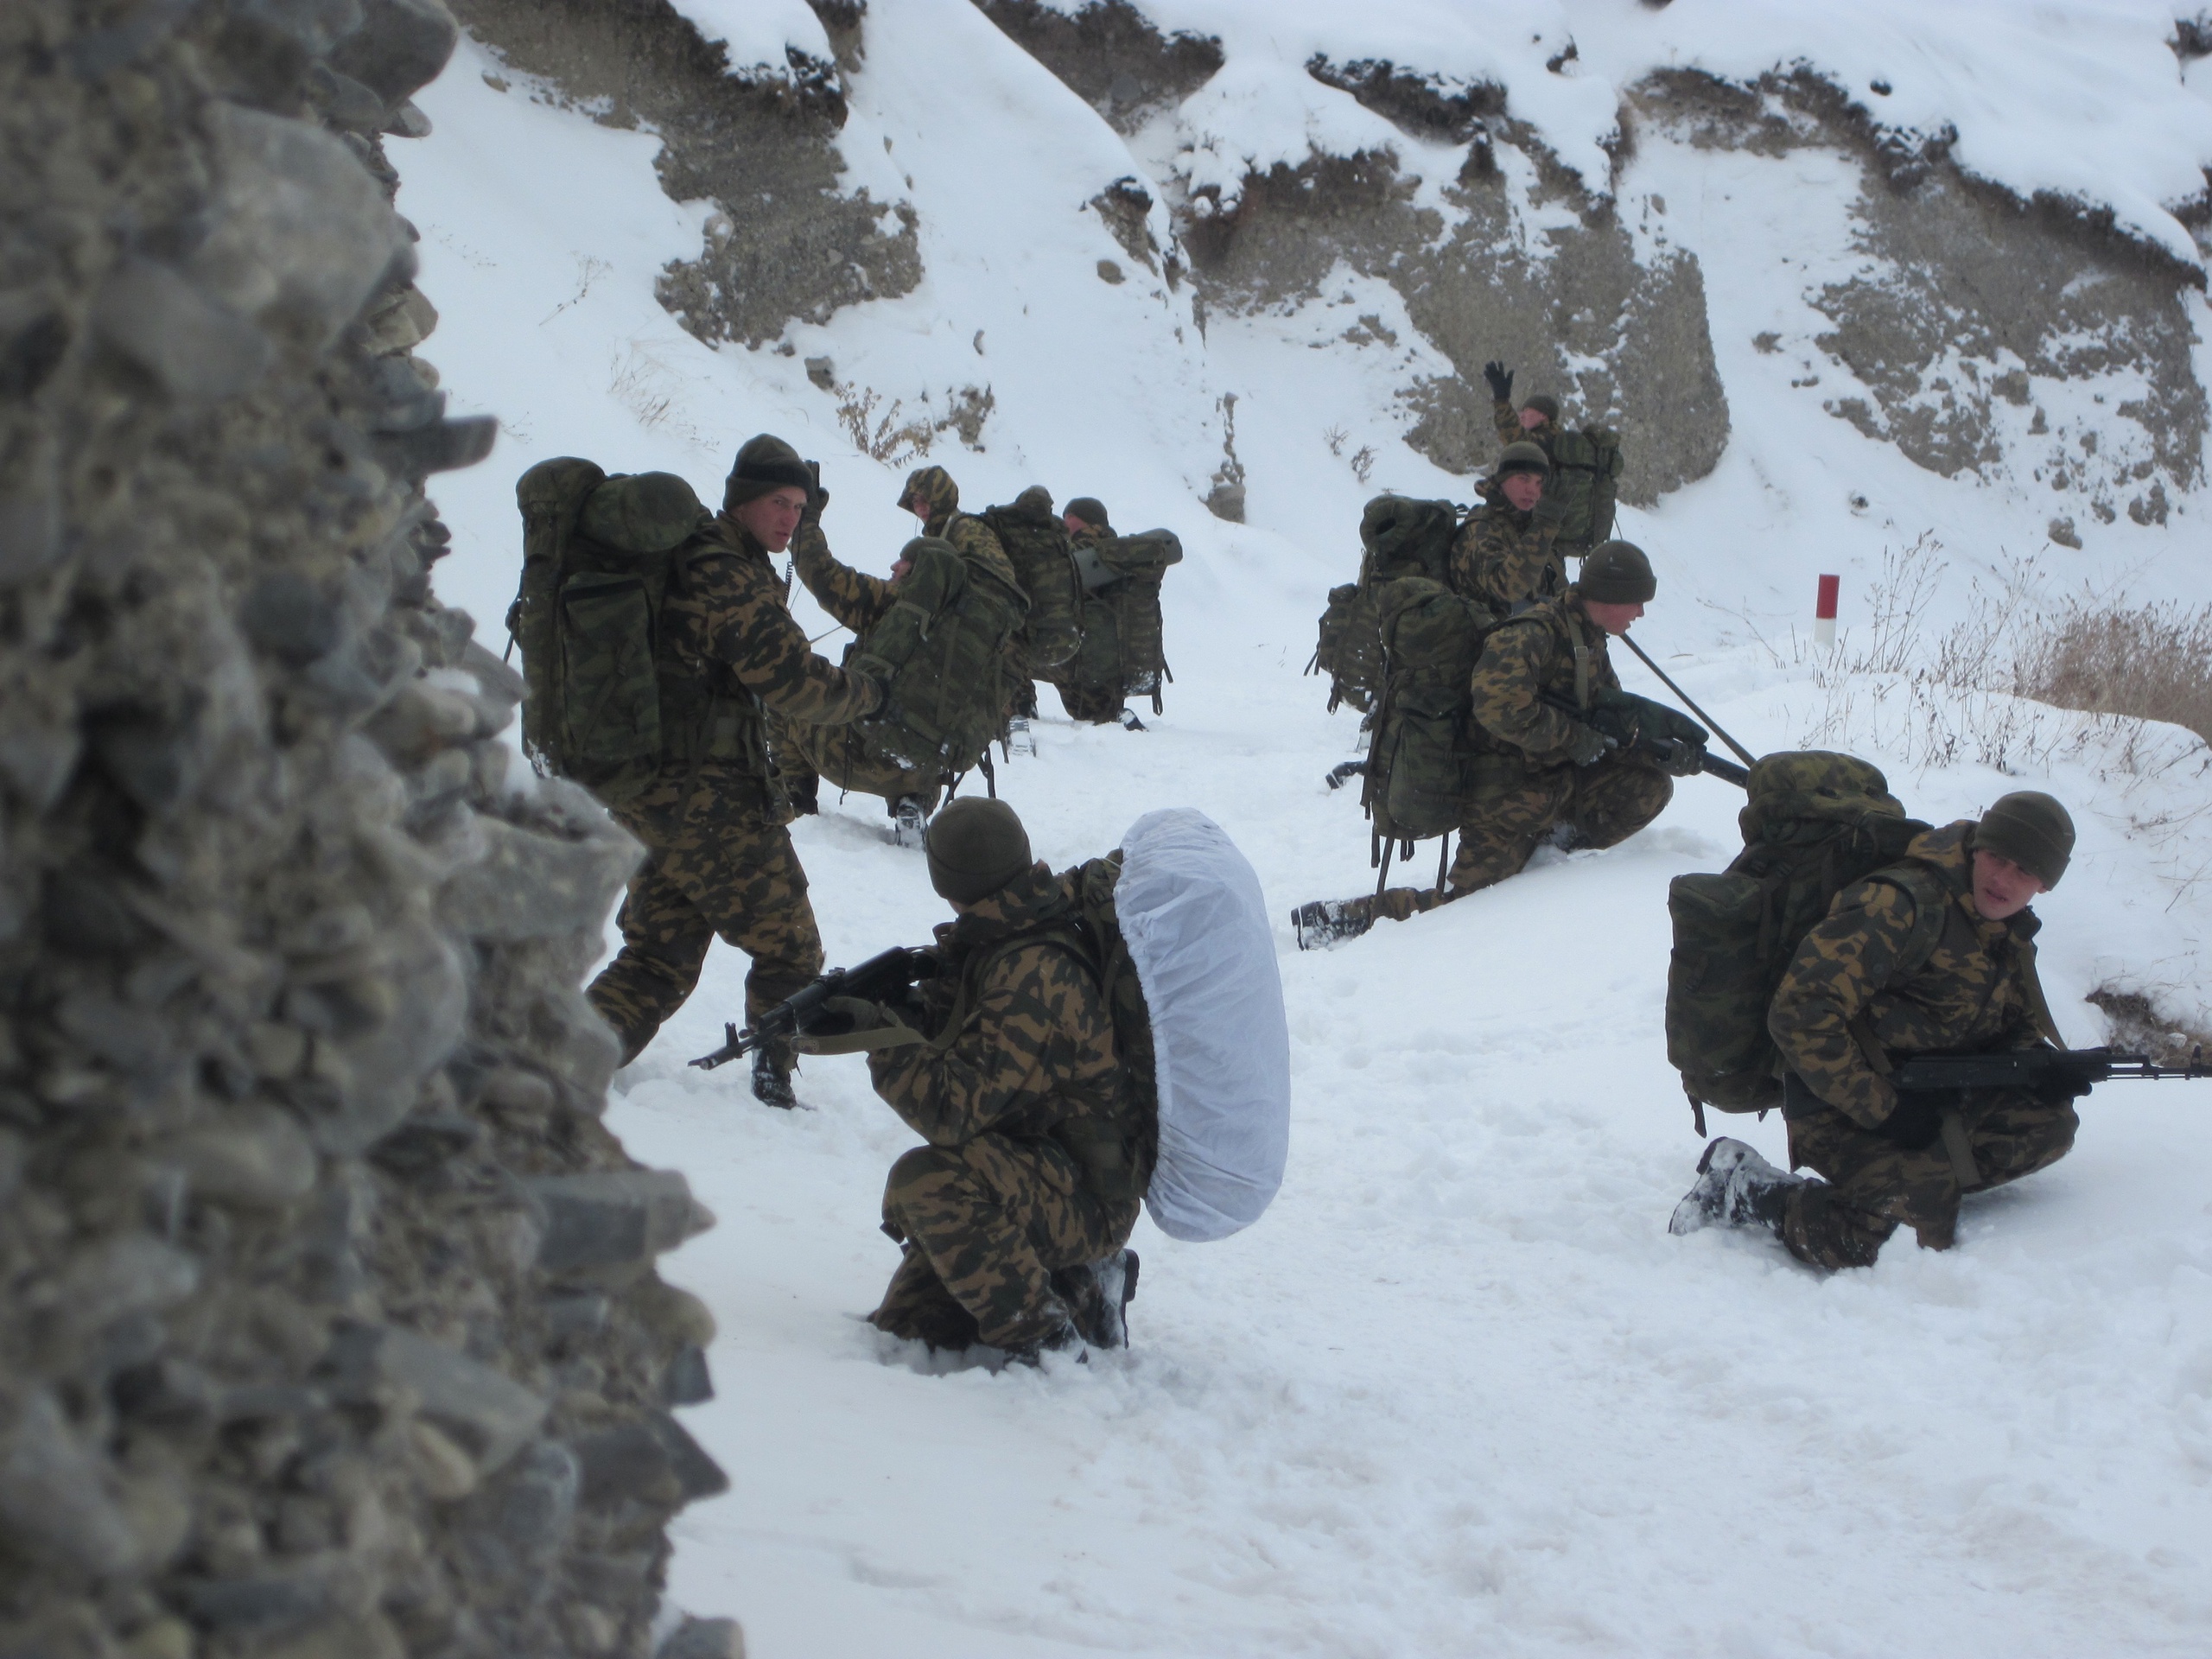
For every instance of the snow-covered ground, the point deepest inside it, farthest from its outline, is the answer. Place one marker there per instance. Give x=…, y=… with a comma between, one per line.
x=1458, y=1392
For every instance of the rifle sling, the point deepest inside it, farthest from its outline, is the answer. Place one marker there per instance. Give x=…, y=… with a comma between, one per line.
x=1958, y=1146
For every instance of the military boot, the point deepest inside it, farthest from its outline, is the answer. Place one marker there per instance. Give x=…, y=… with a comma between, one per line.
x=1065, y=1339
x=1344, y=772
x=1020, y=740
x=909, y=823
x=772, y=1080
x=1099, y=1294
x=1735, y=1188
x=1129, y=721
x=1330, y=921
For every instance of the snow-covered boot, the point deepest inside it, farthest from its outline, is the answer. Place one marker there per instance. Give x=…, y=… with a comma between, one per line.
x=909, y=824
x=1735, y=1188
x=772, y=1081
x=1020, y=740
x=1129, y=721
x=1329, y=921
x=1065, y=1339
x=1099, y=1294
x=1344, y=772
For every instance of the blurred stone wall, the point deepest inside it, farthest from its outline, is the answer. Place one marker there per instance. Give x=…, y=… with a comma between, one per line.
x=327, y=1303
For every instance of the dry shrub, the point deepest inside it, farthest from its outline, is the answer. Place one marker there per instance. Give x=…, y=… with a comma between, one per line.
x=2154, y=663
x=2142, y=1027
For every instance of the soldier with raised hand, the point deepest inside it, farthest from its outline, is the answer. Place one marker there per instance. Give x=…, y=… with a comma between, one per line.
x=1535, y=422
x=1935, y=955
x=1541, y=773
x=1503, y=557
x=1015, y=1215
x=719, y=860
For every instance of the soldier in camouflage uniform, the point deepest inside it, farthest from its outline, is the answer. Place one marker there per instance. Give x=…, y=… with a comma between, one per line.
x=719, y=860
x=1089, y=524
x=1015, y=1216
x=1935, y=955
x=932, y=496
x=1535, y=422
x=1541, y=774
x=1503, y=557
x=805, y=749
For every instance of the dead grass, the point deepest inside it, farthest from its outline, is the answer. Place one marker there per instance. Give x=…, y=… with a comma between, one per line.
x=2139, y=1026
x=2154, y=663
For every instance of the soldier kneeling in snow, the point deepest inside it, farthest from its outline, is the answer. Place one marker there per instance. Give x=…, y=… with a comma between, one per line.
x=1015, y=1217
x=1933, y=955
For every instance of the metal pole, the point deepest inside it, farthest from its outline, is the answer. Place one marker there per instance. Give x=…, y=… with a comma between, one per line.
x=1688, y=702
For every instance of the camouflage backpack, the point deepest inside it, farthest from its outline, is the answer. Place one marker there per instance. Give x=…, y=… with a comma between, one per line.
x=1037, y=543
x=597, y=555
x=937, y=653
x=1399, y=536
x=1123, y=642
x=1814, y=823
x=1585, y=470
x=1417, y=776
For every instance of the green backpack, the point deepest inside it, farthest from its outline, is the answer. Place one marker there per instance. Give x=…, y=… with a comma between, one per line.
x=1399, y=536
x=1417, y=777
x=1123, y=633
x=597, y=555
x=1585, y=470
x=1037, y=543
x=1815, y=822
x=937, y=653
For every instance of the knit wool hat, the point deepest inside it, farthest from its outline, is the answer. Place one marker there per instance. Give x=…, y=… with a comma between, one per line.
x=1091, y=511
x=1522, y=457
x=2032, y=830
x=975, y=848
x=764, y=463
x=1616, y=573
x=1035, y=502
x=1545, y=404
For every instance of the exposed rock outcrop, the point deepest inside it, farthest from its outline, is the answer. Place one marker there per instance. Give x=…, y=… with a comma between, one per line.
x=328, y=1304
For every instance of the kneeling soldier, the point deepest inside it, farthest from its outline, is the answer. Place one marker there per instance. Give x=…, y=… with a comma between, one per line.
x=1935, y=955
x=1016, y=1214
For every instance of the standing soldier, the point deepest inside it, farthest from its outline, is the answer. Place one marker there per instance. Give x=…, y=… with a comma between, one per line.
x=1504, y=558
x=1015, y=1216
x=1535, y=422
x=1935, y=955
x=1541, y=773
x=719, y=860
x=1096, y=698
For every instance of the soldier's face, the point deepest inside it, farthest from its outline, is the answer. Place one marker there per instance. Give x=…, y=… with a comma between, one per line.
x=919, y=507
x=1523, y=490
x=2002, y=888
x=771, y=520
x=1613, y=619
x=1531, y=419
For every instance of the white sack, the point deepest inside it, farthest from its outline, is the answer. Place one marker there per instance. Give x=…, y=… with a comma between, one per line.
x=1196, y=922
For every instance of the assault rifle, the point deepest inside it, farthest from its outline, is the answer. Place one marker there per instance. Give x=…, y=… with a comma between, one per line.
x=2076, y=1070
x=1620, y=725
x=878, y=978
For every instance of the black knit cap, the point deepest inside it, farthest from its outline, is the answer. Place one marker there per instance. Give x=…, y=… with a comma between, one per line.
x=766, y=463
x=1545, y=404
x=1616, y=573
x=1091, y=511
x=975, y=846
x=1523, y=457
x=2032, y=830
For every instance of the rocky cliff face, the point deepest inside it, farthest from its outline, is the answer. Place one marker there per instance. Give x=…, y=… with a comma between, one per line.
x=329, y=1311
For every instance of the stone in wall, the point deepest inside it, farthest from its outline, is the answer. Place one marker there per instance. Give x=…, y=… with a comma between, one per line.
x=788, y=243
x=327, y=1303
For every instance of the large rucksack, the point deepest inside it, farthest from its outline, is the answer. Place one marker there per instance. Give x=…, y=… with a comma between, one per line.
x=1586, y=471
x=1037, y=544
x=599, y=553
x=1177, y=928
x=1815, y=822
x=1418, y=776
x=1122, y=638
x=1399, y=536
x=937, y=653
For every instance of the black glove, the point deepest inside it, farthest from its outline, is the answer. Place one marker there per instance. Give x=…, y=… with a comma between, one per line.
x=1587, y=744
x=1550, y=509
x=816, y=497
x=1676, y=757
x=1500, y=381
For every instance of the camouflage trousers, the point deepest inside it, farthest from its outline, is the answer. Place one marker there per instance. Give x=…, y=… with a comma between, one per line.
x=838, y=755
x=984, y=1224
x=1873, y=1184
x=1601, y=805
x=709, y=871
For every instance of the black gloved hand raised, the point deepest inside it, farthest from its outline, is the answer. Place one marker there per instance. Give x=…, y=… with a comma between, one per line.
x=1500, y=381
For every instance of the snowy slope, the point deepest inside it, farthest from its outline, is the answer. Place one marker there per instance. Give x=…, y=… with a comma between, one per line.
x=1458, y=1393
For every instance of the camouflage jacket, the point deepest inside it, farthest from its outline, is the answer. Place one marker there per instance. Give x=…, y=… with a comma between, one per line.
x=1020, y=1039
x=1502, y=557
x=1509, y=429
x=1553, y=647
x=1904, y=965
x=851, y=597
x=978, y=539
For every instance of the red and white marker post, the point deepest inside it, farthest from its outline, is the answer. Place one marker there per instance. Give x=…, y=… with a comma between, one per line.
x=1824, y=614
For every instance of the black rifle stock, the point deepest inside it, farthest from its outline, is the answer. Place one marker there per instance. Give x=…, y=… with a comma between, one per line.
x=879, y=977
x=1663, y=749
x=2078, y=1069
